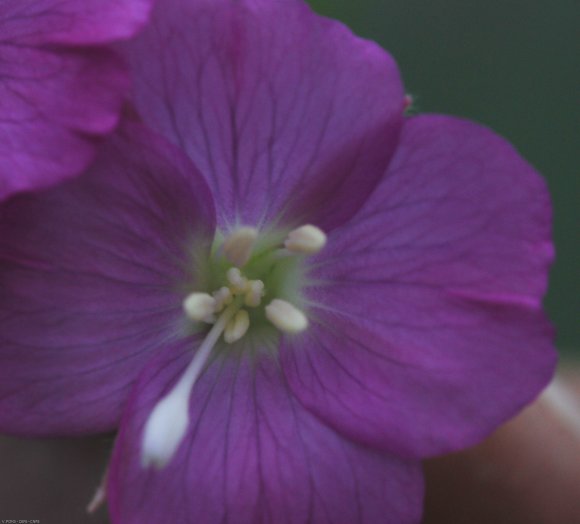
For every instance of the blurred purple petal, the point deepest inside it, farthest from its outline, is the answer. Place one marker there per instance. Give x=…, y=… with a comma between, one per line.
x=53, y=108
x=75, y=22
x=90, y=274
x=58, y=96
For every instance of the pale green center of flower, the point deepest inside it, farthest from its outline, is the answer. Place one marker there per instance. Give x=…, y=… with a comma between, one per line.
x=256, y=279
x=249, y=281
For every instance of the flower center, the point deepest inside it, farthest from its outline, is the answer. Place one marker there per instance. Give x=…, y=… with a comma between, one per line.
x=243, y=275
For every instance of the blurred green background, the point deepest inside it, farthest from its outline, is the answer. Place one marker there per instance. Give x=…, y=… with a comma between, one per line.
x=512, y=65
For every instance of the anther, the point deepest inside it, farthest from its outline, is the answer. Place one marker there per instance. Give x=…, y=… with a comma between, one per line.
x=285, y=316
x=237, y=327
x=223, y=297
x=200, y=307
x=237, y=280
x=305, y=240
x=238, y=246
x=254, y=294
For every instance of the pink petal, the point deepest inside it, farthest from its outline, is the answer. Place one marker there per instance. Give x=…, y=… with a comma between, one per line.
x=428, y=330
x=53, y=108
x=91, y=274
x=76, y=22
x=252, y=454
x=58, y=96
x=287, y=114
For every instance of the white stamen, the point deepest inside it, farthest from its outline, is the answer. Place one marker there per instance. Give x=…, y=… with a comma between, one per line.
x=167, y=423
x=286, y=317
x=238, y=246
x=254, y=294
x=200, y=307
x=223, y=297
x=237, y=327
x=305, y=240
x=237, y=280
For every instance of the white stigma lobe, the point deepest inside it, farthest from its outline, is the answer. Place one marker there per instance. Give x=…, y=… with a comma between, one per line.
x=165, y=429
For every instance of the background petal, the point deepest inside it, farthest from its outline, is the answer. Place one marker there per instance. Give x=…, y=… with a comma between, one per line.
x=283, y=111
x=253, y=454
x=428, y=303
x=55, y=101
x=79, y=22
x=90, y=274
x=53, y=108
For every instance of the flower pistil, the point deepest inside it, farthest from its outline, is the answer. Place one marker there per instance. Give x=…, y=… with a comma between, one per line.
x=226, y=308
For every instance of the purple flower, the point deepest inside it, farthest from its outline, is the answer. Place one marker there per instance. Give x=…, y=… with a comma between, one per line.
x=282, y=291
x=59, y=89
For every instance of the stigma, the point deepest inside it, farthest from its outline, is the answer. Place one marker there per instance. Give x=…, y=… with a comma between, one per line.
x=251, y=289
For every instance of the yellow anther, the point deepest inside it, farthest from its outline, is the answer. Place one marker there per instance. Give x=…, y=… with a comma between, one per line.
x=305, y=240
x=237, y=327
x=286, y=317
x=238, y=246
x=254, y=294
